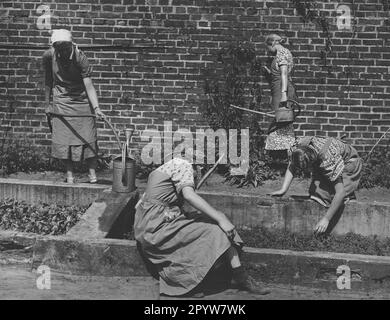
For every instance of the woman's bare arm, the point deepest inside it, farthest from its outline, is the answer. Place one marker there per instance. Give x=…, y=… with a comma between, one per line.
x=92, y=95
x=335, y=205
x=199, y=203
x=288, y=178
x=283, y=74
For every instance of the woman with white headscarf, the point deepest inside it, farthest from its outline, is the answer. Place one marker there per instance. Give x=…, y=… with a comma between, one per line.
x=68, y=79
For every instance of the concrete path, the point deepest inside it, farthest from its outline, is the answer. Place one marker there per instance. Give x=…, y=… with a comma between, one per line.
x=18, y=282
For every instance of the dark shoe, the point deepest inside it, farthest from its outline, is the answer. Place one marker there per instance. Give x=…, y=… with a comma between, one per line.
x=250, y=285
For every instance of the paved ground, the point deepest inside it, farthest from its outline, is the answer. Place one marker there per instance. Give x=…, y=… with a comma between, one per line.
x=18, y=282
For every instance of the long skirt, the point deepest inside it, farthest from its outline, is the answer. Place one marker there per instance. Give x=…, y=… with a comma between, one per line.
x=183, y=250
x=74, y=153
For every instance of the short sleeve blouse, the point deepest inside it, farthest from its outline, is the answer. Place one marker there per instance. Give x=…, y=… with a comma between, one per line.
x=181, y=173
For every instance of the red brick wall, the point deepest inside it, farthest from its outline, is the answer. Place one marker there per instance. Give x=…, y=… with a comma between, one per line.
x=350, y=95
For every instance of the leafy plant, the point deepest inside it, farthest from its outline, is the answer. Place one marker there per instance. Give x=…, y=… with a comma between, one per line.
x=19, y=155
x=40, y=218
x=309, y=13
x=235, y=79
x=376, y=169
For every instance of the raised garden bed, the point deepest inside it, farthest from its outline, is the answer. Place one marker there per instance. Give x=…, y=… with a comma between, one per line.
x=260, y=237
x=41, y=218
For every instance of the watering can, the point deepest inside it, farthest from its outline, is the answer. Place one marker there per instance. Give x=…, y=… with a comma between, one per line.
x=286, y=113
x=124, y=168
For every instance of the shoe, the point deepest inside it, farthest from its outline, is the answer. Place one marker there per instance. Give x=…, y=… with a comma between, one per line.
x=250, y=285
x=69, y=180
x=92, y=179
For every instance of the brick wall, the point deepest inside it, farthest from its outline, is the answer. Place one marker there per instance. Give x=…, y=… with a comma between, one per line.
x=349, y=93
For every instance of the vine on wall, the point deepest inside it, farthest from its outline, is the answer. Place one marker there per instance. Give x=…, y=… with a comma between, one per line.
x=308, y=10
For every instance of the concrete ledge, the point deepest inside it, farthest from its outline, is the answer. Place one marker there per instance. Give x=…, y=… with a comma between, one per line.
x=111, y=216
x=295, y=215
x=301, y=216
x=111, y=257
x=33, y=191
x=106, y=258
x=318, y=269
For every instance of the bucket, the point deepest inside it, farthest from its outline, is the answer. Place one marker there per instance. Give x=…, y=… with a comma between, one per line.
x=124, y=181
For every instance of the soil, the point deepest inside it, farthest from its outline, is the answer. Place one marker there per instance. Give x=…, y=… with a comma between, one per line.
x=215, y=183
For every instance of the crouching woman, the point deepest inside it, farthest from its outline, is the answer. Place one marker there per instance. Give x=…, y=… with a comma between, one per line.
x=184, y=248
x=336, y=170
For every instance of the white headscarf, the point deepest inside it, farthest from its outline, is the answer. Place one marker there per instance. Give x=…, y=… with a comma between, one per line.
x=61, y=35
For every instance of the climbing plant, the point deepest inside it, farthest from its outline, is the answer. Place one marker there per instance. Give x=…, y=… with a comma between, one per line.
x=308, y=10
x=235, y=78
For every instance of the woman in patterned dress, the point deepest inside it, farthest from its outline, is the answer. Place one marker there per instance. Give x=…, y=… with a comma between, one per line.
x=336, y=170
x=280, y=135
x=184, y=247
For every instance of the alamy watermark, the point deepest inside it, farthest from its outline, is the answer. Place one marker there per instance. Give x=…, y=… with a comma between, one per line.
x=343, y=281
x=44, y=280
x=197, y=147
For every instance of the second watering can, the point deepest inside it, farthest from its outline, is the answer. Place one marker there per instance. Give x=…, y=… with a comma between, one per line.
x=287, y=111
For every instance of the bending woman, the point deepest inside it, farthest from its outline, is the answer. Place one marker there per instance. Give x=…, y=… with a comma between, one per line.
x=336, y=169
x=68, y=77
x=181, y=247
x=281, y=136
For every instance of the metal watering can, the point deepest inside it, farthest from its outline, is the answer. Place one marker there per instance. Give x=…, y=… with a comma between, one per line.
x=124, y=168
x=286, y=113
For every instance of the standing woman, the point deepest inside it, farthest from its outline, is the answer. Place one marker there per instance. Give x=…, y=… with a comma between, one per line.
x=280, y=135
x=68, y=79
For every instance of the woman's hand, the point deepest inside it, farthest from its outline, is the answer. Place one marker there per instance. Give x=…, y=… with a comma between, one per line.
x=278, y=193
x=99, y=113
x=322, y=225
x=226, y=226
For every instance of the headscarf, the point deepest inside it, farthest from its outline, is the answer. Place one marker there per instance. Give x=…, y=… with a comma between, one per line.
x=63, y=35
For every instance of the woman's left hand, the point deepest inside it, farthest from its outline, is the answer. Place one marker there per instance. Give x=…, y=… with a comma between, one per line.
x=283, y=97
x=322, y=225
x=99, y=113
